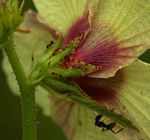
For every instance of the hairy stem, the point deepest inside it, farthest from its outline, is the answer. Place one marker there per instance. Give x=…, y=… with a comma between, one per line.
x=27, y=94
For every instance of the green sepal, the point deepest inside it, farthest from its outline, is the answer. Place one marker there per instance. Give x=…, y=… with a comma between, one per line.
x=42, y=66
x=61, y=85
x=50, y=60
x=60, y=56
x=50, y=50
x=62, y=72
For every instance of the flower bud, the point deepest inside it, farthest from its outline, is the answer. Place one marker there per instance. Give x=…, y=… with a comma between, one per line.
x=10, y=19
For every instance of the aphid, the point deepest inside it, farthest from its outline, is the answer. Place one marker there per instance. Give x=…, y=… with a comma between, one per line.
x=104, y=126
x=51, y=43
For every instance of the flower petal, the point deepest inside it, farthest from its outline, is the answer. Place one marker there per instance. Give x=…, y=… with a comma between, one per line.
x=79, y=30
x=127, y=93
x=35, y=42
x=129, y=18
x=82, y=26
x=77, y=121
x=60, y=15
x=116, y=38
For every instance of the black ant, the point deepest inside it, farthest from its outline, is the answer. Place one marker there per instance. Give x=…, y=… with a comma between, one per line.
x=50, y=44
x=104, y=126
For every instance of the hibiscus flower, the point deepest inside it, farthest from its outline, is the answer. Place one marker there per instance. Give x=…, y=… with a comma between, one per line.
x=108, y=38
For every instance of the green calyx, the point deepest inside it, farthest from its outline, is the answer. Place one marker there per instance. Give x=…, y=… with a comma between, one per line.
x=10, y=19
x=50, y=64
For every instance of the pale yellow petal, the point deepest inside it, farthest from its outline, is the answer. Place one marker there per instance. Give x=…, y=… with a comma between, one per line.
x=60, y=14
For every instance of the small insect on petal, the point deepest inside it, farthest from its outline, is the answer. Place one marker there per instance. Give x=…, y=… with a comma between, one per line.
x=50, y=44
x=104, y=126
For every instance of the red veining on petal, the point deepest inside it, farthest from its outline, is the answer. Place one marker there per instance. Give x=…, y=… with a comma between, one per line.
x=78, y=30
x=102, y=48
x=97, y=46
x=103, y=91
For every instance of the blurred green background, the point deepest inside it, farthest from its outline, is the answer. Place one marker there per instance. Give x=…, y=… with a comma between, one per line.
x=10, y=109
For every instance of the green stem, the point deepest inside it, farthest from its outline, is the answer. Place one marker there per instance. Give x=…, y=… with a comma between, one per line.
x=27, y=94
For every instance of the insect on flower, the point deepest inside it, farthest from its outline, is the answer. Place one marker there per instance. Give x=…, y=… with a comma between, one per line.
x=50, y=44
x=104, y=126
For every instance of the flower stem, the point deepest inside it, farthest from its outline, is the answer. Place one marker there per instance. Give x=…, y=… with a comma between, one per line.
x=27, y=94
